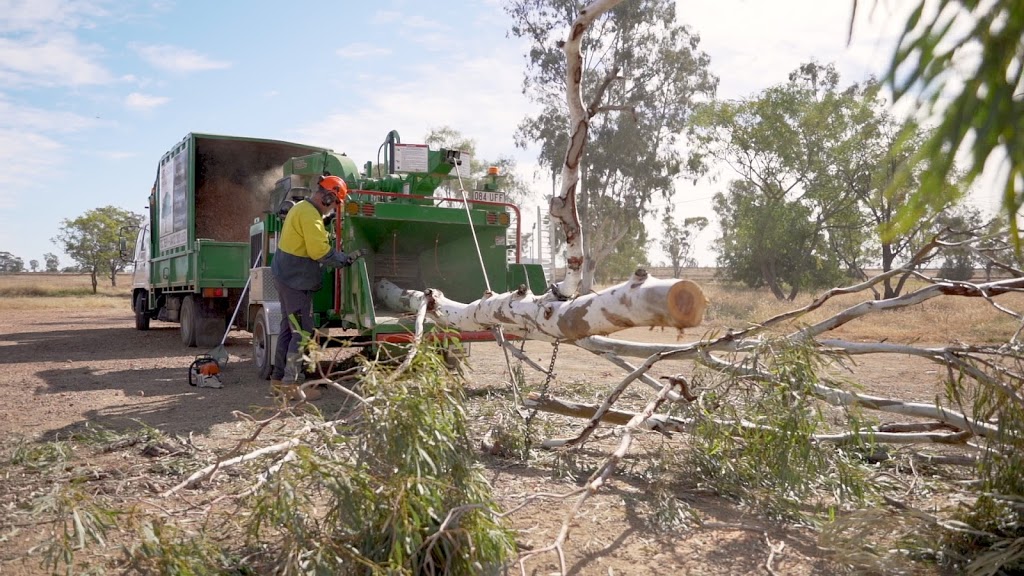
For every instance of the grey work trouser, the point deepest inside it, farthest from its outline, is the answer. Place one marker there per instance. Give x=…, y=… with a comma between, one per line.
x=287, y=357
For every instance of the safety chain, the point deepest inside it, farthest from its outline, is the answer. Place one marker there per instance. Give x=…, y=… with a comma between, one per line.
x=547, y=384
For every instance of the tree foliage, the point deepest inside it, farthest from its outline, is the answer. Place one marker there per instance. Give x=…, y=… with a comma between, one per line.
x=628, y=254
x=52, y=262
x=10, y=263
x=643, y=74
x=795, y=226
x=92, y=241
x=961, y=60
x=809, y=149
x=677, y=240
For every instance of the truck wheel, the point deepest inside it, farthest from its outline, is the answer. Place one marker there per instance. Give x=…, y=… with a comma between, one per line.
x=189, y=318
x=262, y=355
x=141, y=317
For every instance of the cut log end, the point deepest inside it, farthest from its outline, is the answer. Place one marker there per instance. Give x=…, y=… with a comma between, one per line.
x=686, y=304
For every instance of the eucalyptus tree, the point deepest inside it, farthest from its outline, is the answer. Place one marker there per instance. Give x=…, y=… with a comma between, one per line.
x=91, y=240
x=788, y=145
x=642, y=75
x=886, y=185
x=677, y=240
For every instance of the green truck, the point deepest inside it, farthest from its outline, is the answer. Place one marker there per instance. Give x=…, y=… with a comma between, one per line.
x=215, y=214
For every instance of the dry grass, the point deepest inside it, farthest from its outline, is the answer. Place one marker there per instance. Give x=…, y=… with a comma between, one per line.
x=939, y=320
x=29, y=291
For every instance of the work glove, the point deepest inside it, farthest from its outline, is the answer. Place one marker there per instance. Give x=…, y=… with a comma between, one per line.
x=344, y=260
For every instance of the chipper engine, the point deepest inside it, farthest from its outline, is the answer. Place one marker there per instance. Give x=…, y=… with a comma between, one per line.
x=411, y=231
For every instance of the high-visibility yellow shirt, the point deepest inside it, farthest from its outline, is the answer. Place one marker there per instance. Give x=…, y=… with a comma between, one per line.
x=303, y=233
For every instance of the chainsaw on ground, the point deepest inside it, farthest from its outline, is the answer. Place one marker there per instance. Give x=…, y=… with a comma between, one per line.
x=205, y=372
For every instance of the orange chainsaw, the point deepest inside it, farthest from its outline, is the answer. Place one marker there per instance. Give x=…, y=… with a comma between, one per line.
x=204, y=372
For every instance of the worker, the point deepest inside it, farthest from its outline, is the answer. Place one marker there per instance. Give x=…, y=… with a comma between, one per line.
x=301, y=251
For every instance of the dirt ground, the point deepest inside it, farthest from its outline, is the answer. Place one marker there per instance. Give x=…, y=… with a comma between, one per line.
x=65, y=368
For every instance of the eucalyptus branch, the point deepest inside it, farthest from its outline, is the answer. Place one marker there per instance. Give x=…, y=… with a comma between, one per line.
x=598, y=479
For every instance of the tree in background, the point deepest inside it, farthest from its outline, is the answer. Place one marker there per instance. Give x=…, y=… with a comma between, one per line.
x=812, y=149
x=642, y=75
x=92, y=241
x=770, y=241
x=629, y=254
x=515, y=189
x=9, y=263
x=885, y=185
x=796, y=224
x=33, y=265
x=958, y=227
x=52, y=263
x=677, y=241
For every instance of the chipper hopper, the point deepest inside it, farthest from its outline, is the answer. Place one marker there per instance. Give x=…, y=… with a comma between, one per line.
x=411, y=232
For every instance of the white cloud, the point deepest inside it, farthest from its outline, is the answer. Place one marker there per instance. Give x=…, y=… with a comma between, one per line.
x=29, y=146
x=771, y=39
x=57, y=60
x=177, y=59
x=139, y=101
x=29, y=119
x=30, y=155
x=45, y=15
x=116, y=154
x=485, y=111
x=413, y=21
x=362, y=50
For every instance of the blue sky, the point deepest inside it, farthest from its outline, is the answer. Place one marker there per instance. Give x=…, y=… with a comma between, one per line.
x=93, y=92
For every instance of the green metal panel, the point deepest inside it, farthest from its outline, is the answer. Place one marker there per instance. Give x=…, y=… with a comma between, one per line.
x=433, y=214
x=357, y=298
x=313, y=165
x=454, y=266
x=171, y=270
x=221, y=264
x=530, y=274
x=440, y=243
x=323, y=299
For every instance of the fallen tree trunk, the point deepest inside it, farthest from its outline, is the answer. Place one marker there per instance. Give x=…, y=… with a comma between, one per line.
x=665, y=424
x=640, y=301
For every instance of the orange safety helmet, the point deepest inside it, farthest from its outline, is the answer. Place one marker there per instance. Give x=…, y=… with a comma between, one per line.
x=335, y=185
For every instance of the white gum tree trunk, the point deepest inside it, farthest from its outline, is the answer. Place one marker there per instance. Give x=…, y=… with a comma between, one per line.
x=563, y=206
x=639, y=301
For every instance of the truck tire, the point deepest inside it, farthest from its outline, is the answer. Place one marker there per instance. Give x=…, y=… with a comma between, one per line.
x=189, y=316
x=262, y=355
x=202, y=322
x=141, y=317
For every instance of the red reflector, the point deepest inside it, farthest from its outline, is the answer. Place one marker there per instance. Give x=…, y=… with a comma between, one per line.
x=492, y=218
x=368, y=209
x=213, y=293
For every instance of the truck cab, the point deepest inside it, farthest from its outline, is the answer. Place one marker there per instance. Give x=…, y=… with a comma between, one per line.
x=140, y=277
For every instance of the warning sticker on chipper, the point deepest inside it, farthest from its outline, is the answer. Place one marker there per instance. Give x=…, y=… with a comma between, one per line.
x=411, y=157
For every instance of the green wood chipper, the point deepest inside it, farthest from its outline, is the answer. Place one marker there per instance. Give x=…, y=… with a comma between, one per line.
x=410, y=232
